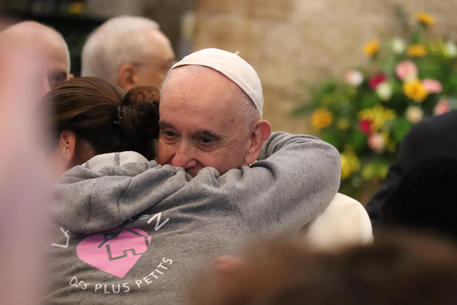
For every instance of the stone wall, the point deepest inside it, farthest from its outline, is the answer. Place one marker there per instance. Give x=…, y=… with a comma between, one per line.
x=291, y=40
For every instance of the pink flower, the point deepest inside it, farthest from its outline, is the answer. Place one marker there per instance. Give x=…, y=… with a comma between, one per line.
x=376, y=80
x=377, y=142
x=432, y=86
x=365, y=126
x=353, y=77
x=406, y=70
x=441, y=107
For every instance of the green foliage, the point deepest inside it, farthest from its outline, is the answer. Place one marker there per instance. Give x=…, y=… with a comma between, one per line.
x=367, y=113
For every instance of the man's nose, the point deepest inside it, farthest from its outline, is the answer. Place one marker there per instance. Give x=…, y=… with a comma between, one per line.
x=184, y=156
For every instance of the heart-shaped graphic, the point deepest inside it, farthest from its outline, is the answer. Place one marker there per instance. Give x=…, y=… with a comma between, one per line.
x=114, y=254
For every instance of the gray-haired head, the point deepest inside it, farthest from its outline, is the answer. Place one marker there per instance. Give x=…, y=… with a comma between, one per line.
x=132, y=40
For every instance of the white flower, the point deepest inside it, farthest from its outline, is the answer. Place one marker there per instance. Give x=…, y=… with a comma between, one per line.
x=414, y=114
x=353, y=77
x=384, y=91
x=377, y=142
x=397, y=45
x=451, y=49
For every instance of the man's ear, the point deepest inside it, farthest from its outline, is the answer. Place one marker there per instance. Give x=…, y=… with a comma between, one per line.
x=67, y=147
x=259, y=135
x=70, y=76
x=126, y=76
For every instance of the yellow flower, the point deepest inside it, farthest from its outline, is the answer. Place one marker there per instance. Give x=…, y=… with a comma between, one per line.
x=378, y=115
x=349, y=162
x=416, y=50
x=425, y=18
x=368, y=172
x=343, y=124
x=415, y=90
x=383, y=171
x=374, y=171
x=371, y=48
x=321, y=118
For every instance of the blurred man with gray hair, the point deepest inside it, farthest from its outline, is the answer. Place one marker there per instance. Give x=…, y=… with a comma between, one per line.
x=130, y=51
x=33, y=57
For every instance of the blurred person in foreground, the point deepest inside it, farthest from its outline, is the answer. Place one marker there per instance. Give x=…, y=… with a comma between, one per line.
x=432, y=137
x=399, y=268
x=25, y=172
x=46, y=42
x=129, y=51
x=131, y=230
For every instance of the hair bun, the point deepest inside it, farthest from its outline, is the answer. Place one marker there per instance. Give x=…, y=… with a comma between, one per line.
x=142, y=94
x=139, y=119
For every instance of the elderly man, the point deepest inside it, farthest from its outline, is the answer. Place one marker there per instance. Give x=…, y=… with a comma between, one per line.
x=211, y=113
x=130, y=51
x=133, y=231
x=43, y=42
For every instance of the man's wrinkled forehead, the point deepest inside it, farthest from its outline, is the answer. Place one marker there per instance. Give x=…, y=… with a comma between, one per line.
x=205, y=84
x=203, y=96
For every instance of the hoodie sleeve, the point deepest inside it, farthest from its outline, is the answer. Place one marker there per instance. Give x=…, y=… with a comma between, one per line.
x=111, y=188
x=296, y=180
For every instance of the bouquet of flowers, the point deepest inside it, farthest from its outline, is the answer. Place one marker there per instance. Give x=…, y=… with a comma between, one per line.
x=366, y=113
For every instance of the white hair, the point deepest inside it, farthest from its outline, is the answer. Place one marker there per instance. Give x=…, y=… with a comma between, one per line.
x=250, y=111
x=115, y=42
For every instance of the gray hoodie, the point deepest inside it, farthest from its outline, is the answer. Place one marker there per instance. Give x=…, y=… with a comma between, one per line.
x=130, y=231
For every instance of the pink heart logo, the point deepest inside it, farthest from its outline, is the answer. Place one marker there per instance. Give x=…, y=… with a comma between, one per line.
x=114, y=254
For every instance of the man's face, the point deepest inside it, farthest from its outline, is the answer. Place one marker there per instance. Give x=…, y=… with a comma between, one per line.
x=152, y=70
x=201, y=123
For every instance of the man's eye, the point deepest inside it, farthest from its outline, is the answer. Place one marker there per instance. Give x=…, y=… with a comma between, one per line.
x=205, y=140
x=169, y=134
x=56, y=78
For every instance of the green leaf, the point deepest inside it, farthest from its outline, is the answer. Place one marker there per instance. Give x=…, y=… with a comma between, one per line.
x=358, y=140
x=369, y=100
x=329, y=136
x=400, y=128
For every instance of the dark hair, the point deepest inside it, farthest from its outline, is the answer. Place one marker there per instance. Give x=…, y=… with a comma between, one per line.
x=425, y=198
x=399, y=268
x=103, y=115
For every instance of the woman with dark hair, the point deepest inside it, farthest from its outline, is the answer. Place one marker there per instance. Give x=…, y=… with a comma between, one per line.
x=91, y=116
